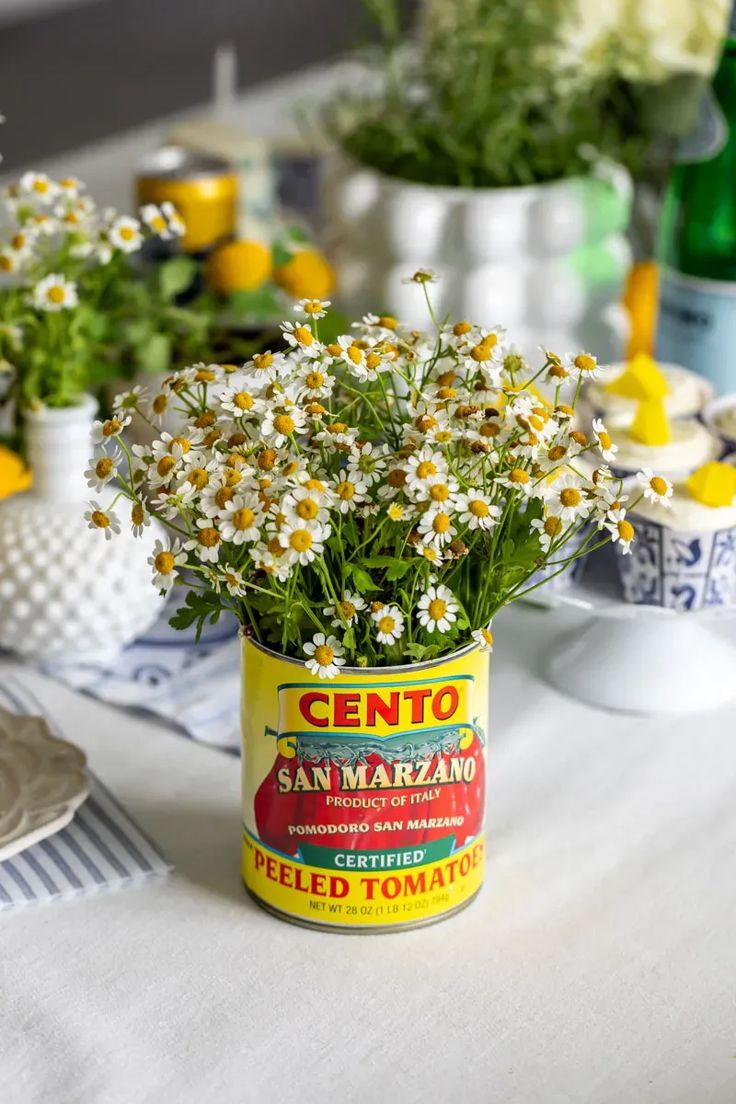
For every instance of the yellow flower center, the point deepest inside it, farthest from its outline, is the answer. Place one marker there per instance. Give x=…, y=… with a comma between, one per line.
x=625, y=530
x=40, y=186
x=6, y=265
x=440, y=492
x=314, y=485
x=204, y=375
x=209, y=537
x=441, y=523
x=312, y=306
x=55, y=294
x=160, y=403
x=437, y=609
x=137, y=514
x=348, y=609
x=127, y=233
x=165, y=464
x=243, y=518
x=232, y=477
x=355, y=354
x=198, y=477
x=584, y=363
x=490, y=429
x=284, y=423
x=164, y=563
x=387, y=623
x=557, y=452
x=158, y=223
x=426, y=468
x=487, y=637
x=552, y=526
x=103, y=467
x=307, y=509
x=261, y=361
x=388, y=322
x=658, y=485
x=461, y=328
x=243, y=400
x=100, y=520
x=301, y=540
x=478, y=508
x=303, y=335
x=18, y=241
x=324, y=655
x=604, y=440
x=223, y=495
x=373, y=360
x=480, y=352
x=314, y=380
x=570, y=496
x=345, y=490
x=518, y=475
x=183, y=443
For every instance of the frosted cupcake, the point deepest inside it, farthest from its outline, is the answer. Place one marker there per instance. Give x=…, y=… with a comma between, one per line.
x=674, y=449
x=720, y=418
x=684, y=553
x=615, y=394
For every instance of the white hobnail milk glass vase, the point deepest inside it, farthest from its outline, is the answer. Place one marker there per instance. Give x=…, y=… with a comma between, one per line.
x=67, y=593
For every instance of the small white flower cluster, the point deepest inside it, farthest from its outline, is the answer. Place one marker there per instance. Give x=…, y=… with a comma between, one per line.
x=372, y=498
x=54, y=224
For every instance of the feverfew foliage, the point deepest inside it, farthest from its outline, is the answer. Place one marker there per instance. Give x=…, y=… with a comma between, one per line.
x=367, y=501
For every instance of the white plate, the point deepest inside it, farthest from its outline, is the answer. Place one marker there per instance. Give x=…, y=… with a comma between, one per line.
x=42, y=782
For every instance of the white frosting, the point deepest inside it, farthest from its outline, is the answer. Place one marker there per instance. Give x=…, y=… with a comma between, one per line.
x=684, y=513
x=690, y=446
x=688, y=394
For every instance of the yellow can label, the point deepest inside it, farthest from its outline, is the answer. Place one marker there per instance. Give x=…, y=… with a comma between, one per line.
x=363, y=797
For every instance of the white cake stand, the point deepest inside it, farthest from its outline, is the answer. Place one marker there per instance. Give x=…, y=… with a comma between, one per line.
x=639, y=659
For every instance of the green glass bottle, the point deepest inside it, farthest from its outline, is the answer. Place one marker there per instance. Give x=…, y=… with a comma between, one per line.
x=697, y=251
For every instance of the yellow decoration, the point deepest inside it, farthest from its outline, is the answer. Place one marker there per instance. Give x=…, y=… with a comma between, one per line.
x=640, y=300
x=306, y=275
x=238, y=266
x=643, y=379
x=14, y=476
x=651, y=425
x=713, y=484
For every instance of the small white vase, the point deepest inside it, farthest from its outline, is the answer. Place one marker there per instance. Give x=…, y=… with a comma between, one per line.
x=66, y=593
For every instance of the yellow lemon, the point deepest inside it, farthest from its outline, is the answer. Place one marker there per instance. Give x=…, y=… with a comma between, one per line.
x=238, y=266
x=306, y=275
x=13, y=475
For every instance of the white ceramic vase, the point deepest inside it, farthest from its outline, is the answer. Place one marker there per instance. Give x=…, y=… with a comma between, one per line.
x=547, y=261
x=67, y=593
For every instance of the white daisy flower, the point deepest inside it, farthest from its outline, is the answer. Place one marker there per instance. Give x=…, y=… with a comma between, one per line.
x=476, y=510
x=265, y=560
x=102, y=470
x=346, y=612
x=350, y=491
x=300, y=336
x=437, y=609
x=424, y=466
x=240, y=400
x=621, y=529
x=566, y=495
x=10, y=261
x=606, y=446
x=548, y=529
x=139, y=518
x=313, y=382
x=483, y=638
x=281, y=422
x=125, y=234
x=129, y=400
x=655, y=487
x=109, y=429
x=302, y=540
x=326, y=655
x=421, y=276
x=54, y=293
x=106, y=520
x=306, y=504
x=164, y=562
x=581, y=364
x=314, y=308
x=436, y=527
x=206, y=545
x=517, y=479
x=70, y=186
x=163, y=220
x=240, y=519
x=389, y=624
x=232, y=580
x=174, y=503
x=39, y=186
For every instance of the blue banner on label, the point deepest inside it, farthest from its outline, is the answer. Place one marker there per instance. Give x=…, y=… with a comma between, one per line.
x=697, y=327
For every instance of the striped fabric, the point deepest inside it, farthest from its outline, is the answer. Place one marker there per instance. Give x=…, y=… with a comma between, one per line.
x=195, y=685
x=102, y=848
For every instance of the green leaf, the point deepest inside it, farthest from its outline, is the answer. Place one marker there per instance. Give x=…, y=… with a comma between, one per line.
x=361, y=579
x=176, y=275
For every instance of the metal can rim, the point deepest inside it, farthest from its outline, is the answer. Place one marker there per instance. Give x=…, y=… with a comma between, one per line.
x=375, y=671
x=191, y=166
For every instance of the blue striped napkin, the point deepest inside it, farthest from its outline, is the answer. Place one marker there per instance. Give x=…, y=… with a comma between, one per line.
x=195, y=685
x=102, y=848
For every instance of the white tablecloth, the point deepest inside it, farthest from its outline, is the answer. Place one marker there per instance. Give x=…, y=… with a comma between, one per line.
x=598, y=964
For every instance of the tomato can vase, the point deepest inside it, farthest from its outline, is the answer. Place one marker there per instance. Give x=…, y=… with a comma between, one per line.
x=364, y=795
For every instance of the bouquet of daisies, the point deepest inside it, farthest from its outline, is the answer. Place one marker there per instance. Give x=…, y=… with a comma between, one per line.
x=369, y=501
x=69, y=284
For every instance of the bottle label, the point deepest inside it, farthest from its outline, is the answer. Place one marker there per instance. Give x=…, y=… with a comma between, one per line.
x=697, y=326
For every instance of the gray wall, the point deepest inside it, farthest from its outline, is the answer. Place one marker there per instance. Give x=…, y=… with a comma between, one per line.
x=72, y=71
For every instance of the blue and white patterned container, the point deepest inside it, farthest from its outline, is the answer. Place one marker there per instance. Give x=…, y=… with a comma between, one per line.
x=572, y=574
x=679, y=569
